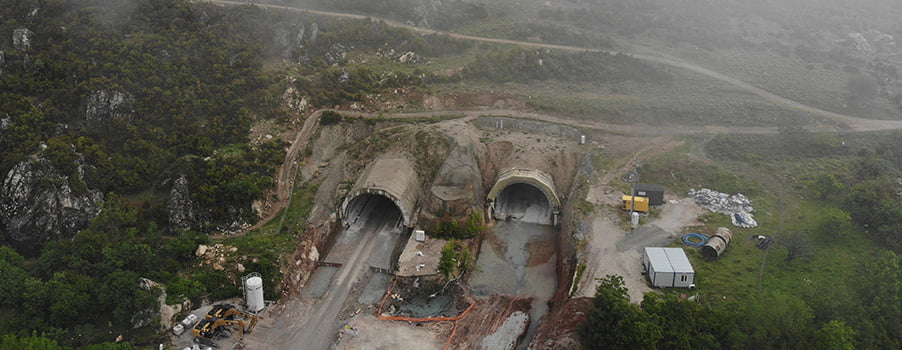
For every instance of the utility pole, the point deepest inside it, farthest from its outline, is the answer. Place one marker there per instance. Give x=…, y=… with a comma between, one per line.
x=632, y=177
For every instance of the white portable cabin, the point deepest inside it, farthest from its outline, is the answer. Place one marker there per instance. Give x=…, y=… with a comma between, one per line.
x=668, y=267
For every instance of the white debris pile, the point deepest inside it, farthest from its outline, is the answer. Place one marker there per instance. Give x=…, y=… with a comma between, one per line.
x=737, y=206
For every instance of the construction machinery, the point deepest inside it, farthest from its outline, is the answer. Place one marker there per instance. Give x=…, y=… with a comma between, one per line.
x=230, y=312
x=226, y=311
x=221, y=321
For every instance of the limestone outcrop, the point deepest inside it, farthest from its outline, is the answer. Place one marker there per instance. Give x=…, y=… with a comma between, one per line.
x=38, y=204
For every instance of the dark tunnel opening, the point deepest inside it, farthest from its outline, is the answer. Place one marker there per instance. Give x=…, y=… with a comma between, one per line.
x=367, y=207
x=523, y=202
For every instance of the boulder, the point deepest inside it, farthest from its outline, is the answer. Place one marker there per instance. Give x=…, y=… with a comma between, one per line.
x=106, y=109
x=859, y=45
x=22, y=38
x=37, y=205
x=5, y=123
x=180, y=207
x=201, y=250
x=880, y=41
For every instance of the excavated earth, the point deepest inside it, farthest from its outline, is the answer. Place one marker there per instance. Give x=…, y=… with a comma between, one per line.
x=456, y=162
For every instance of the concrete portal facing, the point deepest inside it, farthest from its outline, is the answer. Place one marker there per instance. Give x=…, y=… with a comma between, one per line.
x=533, y=177
x=392, y=177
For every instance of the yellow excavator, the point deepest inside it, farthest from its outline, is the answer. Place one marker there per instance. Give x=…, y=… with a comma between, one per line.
x=226, y=311
x=221, y=321
x=230, y=312
x=217, y=328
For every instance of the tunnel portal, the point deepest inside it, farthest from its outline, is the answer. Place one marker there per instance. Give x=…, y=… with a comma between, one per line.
x=368, y=205
x=524, y=194
x=523, y=202
x=391, y=177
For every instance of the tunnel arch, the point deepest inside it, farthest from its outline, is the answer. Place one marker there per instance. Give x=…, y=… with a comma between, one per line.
x=390, y=177
x=533, y=177
x=352, y=204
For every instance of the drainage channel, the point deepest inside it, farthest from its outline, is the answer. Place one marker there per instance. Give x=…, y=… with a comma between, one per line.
x=518, y=258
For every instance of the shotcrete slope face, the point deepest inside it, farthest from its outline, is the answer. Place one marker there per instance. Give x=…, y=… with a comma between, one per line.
x=524, y=202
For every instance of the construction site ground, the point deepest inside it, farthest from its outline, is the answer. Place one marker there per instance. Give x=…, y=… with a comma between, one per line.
x=614, y=250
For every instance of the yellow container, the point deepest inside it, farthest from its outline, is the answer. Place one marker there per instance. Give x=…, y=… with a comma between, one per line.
x=641, y=203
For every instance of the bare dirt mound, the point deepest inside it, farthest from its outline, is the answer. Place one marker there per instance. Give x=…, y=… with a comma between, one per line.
x=485, y=320
x=558, y=329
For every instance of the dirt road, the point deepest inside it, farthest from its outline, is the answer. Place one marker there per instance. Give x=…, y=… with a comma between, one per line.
x=312, y=321
x=855, y=123
x=323, y=321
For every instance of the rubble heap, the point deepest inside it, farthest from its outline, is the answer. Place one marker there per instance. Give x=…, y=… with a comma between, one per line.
x=738, y=206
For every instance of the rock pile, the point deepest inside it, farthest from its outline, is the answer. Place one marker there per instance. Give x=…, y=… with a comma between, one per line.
x=738, y=206
x=215, y=255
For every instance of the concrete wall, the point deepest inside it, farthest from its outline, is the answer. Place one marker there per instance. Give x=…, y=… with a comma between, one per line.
x=391, y=176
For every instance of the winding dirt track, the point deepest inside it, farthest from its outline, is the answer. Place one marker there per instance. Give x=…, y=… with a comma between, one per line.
x=854, y=123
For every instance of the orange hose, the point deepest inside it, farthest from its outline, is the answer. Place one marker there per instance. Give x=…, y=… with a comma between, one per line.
x=453, y=331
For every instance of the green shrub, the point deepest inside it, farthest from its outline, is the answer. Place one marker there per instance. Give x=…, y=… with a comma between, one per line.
x=330, y=118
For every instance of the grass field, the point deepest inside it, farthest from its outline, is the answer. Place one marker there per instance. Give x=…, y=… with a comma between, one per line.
x=832, y=264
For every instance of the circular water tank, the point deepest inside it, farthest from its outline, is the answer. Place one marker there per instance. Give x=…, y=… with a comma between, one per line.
x=254, y=292
x=634, y=219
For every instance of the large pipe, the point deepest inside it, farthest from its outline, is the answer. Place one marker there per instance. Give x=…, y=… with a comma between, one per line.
x=717, y=243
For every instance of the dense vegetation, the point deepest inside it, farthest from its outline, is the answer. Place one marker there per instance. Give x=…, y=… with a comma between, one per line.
x=83, y=289
x=766, y=321
x=188, y=89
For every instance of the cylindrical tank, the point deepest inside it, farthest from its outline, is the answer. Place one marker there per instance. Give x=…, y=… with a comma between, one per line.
x=717, y=243
x=254, y=288
x=634, y=219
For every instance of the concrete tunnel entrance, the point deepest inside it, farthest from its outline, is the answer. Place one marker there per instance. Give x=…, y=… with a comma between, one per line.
x=524, y=194
x=390, y=177
x=523, y=202
x=369, y=205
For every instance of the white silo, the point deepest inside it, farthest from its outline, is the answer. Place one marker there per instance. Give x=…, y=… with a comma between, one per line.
x=253, y=292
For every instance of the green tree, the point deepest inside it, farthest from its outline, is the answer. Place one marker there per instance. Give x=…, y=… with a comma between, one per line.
x=70, y=297
x=835, y=335
x=11, y=278
x=880, y=292
x=775, y=321
x=684, y=324
x=826, y=187
x=835, y=224
x=614, y=323
x=448, y=260
x=798, y=245
x=11, y=256
x=122, y=296
x=33, y=342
